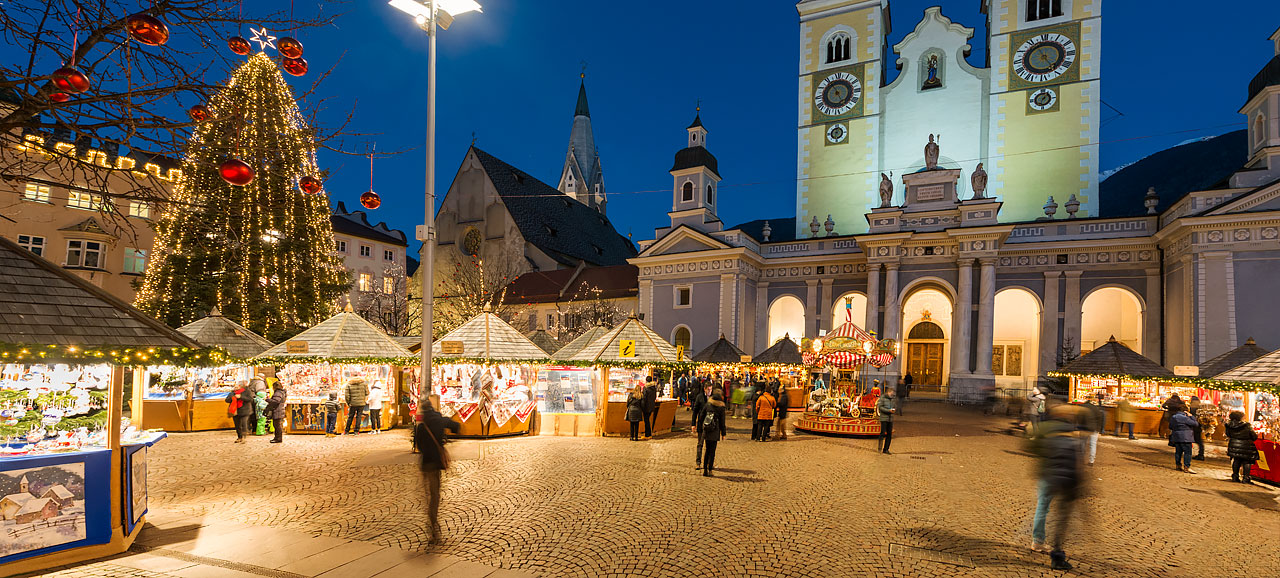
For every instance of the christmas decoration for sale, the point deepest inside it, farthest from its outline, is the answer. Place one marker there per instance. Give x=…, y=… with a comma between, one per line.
x=295, y=66
x=236, y=172
x=261, y=252
x=310, y=185
x=198, y=113
x=289, y=47
x=147, y=29
x=68, y=79
x=239, y=45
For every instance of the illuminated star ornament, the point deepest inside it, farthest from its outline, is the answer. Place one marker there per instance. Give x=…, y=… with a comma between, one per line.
x=263, y=38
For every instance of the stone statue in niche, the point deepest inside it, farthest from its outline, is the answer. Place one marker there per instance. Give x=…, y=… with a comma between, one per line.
x=979, y=182
x=931, y=153
x=886, y=191
x=932, y=80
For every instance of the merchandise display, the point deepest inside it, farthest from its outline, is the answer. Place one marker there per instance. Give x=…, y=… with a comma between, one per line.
x=199, y=383
x=560, y=389
x=495, y=393
x=309, y=385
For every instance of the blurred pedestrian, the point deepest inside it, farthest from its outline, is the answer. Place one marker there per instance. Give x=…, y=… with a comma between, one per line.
x=700, y=400
x=635, y=411
x=884, y=410
x=784, y=406
x=357, y=399
x=1058, y=448
x=429, y=437
x=1240, y=446
x=904, y=390
x=765, y=407
x=1171, y=406
x=713, y=430
x=737, y=398
x=241, y=409
x=1093, y=420
x=684, y=389
x=276, y=411
x=1181, y=435
x=1193, y=407
x=1125, y=415
x=1035, y=407
x=650, y=407
x=376, y=393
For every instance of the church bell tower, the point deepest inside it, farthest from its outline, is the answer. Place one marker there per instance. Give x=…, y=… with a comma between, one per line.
x=583, y=176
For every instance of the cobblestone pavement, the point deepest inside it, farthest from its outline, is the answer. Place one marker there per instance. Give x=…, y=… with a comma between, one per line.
x=956, y=499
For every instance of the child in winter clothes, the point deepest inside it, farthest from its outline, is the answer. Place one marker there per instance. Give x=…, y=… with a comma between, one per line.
x=331, y=407
x=260, y=405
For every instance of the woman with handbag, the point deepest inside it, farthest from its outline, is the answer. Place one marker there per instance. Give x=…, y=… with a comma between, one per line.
x=429, y=437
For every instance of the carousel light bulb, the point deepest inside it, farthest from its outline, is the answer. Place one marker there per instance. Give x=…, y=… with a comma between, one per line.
x=866, y=346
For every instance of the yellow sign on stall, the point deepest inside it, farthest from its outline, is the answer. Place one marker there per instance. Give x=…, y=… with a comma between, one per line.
x=626, y=348
x=679, y=353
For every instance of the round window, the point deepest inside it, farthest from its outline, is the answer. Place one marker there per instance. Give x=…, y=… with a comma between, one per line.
x=471, y=242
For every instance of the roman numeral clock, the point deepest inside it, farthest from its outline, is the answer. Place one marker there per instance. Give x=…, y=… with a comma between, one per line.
x=1041, y=60
x=837, y=96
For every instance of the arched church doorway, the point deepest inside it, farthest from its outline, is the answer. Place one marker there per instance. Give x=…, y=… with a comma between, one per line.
x=851, y=305
x=1015, y=347
x=786, y=318
x=1107, y=312
x=926, y=315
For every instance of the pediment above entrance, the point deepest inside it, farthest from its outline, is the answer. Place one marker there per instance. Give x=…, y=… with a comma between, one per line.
x=683, y=240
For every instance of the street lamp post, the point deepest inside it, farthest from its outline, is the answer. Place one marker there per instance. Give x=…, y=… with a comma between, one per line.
x=429, y=14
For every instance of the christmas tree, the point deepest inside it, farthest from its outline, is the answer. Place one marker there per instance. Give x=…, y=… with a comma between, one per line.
x=263, y=253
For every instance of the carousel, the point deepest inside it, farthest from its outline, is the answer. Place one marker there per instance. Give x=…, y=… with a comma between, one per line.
x=846, y=406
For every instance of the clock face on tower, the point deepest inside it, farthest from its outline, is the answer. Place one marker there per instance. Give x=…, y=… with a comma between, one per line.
x=1042, y=99
x=837, y=94
x=837, y=133
x=1044, y=58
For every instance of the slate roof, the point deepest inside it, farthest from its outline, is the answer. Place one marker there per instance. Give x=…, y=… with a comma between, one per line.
x=1232, y=359
x=1268, y=76
x=544, y=341
x=557, y=224
x=1265, y=369
x=613, y=282
x=43, y=304
x=486, y=336
x=215, y=330
x=780, y=230
x=1113, y=358
x=356, y=224
x=650, y=347
x=345, y=335
x=576, y=345
x=693, y=157
x=785, y=351
x=1195, y=166
x=721, y=351
x=697, y=121
x=581, y=109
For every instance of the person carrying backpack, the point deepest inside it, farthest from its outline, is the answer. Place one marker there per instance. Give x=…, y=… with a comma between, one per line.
x=700, y=399
x=713, y=430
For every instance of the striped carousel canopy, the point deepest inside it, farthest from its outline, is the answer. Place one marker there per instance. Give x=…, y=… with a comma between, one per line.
x=845, y=348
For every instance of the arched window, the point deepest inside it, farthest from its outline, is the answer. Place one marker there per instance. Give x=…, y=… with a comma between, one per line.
x=1259, y=130
x=711, y=196
x=682, y=336
x=1041, y=9
x=926, y=330
x=686, y=193
x=839, y=47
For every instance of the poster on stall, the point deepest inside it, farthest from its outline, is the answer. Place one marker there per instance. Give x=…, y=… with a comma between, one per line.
x=54, y=503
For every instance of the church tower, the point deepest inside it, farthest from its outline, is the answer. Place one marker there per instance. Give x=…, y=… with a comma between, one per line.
x=583, y=177
x=1046, y=94
x=841, y=48
x=696, y=180
x=1262, y=112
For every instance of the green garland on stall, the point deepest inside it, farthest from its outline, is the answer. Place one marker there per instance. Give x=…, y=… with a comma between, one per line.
x=180, y=356
x=1200, y=382
x=318, y=359
x=438, y=360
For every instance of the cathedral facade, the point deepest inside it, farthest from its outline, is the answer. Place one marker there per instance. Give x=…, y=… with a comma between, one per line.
x=956, y=210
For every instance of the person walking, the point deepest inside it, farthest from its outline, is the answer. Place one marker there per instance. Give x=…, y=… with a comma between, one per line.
x=1240, y=446
x=650, y=406
x=765, y=407
x=276, y=411
x=375, y=407
x=1193, y=407
x=1171, y=406
x=904, y=391
x=635, y=411
x=784, y=406
x=1035, y=407
x=683, y=390
x=1093, y=422
x=241, y=409
x=737, y=398
x=429, y=437
x=331, y=408
x=1125, y=415
x=700, y=399
x=713, y=430
x=1058, y=448
x=1182, y=429
x=884, y=410
x=357, y=398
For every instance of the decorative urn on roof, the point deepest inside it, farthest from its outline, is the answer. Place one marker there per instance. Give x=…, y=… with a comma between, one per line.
x=766, y=231
x=815, y=226
x=1151, y=200
x=1073, y=207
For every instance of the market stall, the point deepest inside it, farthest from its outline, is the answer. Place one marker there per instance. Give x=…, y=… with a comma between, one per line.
x=193, y=398
x=1254, y=388
x=485, y=374
x=623, y=358
x=783, y=361
x=845, y=406
x=325, y=358
x=72, y=466
x=1114, y=371
x=544, y=341
x=567, y=393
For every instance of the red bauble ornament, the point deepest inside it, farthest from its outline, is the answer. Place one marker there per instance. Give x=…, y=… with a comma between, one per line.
x=198, y=113
x=59, y=97
x=148, y=29
x=70, y=80
x=289, y=47
x=295, y=66
x=370, y=200
x=310, y=185
x=239, y=45
x=236, y=172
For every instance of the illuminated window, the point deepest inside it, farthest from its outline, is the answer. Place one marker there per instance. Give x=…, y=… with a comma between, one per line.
x=389, y=285
x=139, y=209
x=135, y=260
x=84, y=254
x=36, y=192
x=342, y=246
x=366, y=282
x=78, y=200
x=32, y=243
x=366, y=251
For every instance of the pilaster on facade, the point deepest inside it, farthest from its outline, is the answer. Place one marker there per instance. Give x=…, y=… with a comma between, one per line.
x=810, y=307
x=729, y=306
x=1153, y=316
x=873, y=297
x=828, y=301
x=1049, y=317
x=986, y=313
x=1071, y=314
x=892, y=312
x=961, y=331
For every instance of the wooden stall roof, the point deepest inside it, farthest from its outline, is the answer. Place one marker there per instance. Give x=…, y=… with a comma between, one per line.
x=343, y=336
x=544, y=341
x=649, y=346
x=720, y=351
x=486, y=336
x=784, y=352
x=1113, y=358
x=1232, y=359
x=44, y=304
x=411, y=342
x=574, y=346
x=215, y=330
x=1265, y=369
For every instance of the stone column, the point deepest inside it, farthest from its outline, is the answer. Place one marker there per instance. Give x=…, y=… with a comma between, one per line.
x=892, y=319
x=986, y=313
x=961, y=333
x=1071, y=311
x=762, y=317
x=1153, y=318
x=873, y=297
x=824, y=312
x=810, y=308
x=1049, y=324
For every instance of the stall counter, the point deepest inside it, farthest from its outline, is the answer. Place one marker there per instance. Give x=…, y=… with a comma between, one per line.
x=615, y=418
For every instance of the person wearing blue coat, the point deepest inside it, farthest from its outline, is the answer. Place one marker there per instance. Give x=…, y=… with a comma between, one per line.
x=1182, y=434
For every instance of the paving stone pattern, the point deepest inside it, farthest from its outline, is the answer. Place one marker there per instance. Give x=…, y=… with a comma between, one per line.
x=956, y=499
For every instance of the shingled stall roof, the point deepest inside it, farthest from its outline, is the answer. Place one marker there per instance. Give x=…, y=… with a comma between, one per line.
x=1113, y=358
x=557, y=224
x=784, y=352
x=720, y=351
x=649, y=346
x=43, y=304
x=486, y=336
x=579, y=283
x=215, y=330
x=544, y=341
x=1265, y=369
x=580, y=342
x=1232, y=359
x=343, y=337
x=411, y=342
